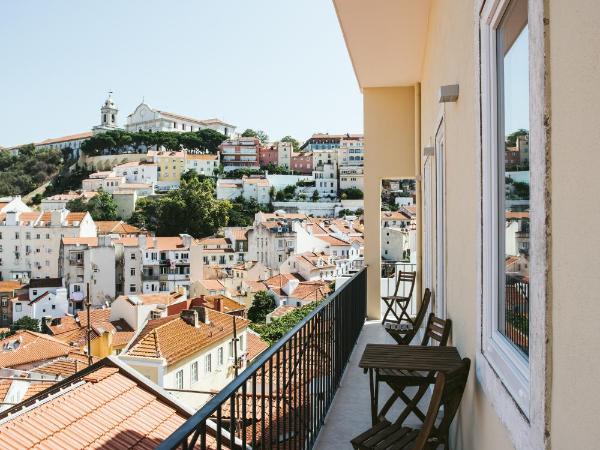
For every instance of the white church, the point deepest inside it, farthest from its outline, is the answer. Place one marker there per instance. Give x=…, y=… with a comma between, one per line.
x=143, y=118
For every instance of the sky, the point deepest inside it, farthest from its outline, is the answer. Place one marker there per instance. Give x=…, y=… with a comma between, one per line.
x=275, y=65
x=516, y=84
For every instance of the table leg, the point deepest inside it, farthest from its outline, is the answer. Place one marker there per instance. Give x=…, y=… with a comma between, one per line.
x=374, y=390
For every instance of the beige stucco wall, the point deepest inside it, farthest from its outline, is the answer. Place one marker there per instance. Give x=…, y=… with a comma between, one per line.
x=450, y=58
x=390, y=143
x=575, y=217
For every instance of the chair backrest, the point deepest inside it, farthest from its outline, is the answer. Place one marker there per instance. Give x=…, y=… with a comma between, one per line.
x=407, y=277
x=448, y=392
x=422, y=310
x=437, y=331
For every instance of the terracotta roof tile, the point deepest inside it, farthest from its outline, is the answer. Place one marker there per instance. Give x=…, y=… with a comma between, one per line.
x=255, y=345
x=173, y=339
x=25, y=347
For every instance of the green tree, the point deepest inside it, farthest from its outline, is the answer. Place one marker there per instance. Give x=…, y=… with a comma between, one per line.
x=352, y=194
x=26, y=171
x=263, y=304
x=277, y=328
x=294, y=142
x=260, y=134
x=100, y=207
x=511, y=139
x=26, y=323
x=315, y=195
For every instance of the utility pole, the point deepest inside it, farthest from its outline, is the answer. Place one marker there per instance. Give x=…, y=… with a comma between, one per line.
x=89, y=326
x=235, y=351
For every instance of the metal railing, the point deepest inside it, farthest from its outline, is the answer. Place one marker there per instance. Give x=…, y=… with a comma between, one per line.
x=516, y=314
x=281, y=400
x=389, y=277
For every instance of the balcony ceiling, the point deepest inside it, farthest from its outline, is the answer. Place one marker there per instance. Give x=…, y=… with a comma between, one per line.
x=385, y=38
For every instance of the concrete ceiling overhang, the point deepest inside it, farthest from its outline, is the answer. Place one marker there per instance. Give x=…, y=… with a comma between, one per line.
x=385, y=38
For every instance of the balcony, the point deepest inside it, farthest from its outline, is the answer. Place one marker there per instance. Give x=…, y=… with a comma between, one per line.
x=283, y=398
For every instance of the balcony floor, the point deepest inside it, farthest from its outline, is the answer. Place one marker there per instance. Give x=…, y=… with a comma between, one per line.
x=350, y=412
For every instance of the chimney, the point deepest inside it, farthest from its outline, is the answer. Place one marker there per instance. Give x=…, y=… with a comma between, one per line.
x=203, y=315
x=142, y=241
x=190, y=317
x=218, y=304
x=56, y=217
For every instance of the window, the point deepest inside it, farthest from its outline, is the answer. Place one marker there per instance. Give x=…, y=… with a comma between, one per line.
x=132, y=288
x=230, y=345
x=132, y=271
x=208, y=363
x=16, y=235
x=4, y=301
x=512, y=368
x=220, y=356
x=194, y=371
x=132, y=256
x=179, y=379
x=18, y=307
x=242, y=342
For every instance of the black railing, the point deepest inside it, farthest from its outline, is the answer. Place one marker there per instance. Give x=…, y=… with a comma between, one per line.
x=281, y=400
x=516, y=314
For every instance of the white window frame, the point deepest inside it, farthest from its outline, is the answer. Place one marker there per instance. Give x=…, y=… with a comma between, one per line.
x=515, y=386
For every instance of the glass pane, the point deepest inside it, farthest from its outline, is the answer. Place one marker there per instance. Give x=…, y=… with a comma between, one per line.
x=513, y=161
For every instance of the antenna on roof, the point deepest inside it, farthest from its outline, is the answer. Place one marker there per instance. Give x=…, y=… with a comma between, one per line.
x=89, y=326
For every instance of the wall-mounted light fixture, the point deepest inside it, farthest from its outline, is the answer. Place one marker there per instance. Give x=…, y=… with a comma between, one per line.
x=449, y=93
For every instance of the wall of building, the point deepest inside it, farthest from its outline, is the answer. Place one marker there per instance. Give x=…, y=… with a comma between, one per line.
x=390, y=136
x=450, y=58
x=574, y=248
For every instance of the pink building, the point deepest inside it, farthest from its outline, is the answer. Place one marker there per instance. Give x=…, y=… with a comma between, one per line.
x=302, y=162
x=268, y=155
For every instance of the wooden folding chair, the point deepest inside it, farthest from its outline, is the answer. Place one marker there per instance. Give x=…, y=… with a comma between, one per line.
x=401, y=301
x=448, y=392
x=437, y=332
x=403, y=332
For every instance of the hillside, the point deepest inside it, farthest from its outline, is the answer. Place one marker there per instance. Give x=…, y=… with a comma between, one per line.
x=30, y=169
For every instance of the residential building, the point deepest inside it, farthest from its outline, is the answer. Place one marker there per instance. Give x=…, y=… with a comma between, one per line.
x=8, y=290
x=250, y=188
x=395, y=244
x=26, y=350
x=242, y=152
x=268, y=154
x=90, y=263
x=138, y=172
x=145, y=118
x=194, y=350
x=326, y=141
x=30, y=241
x=302, y=162
x=60, y=201
x=325, y=172
x=219, y=303
x=273, y=238
x=210, y=287
x=72, y=142
x=108, y=336
x=156, y=264
x=289, y=290
x=351, y=177
x=351, y=152
x=214, y=252
x=13, y=204
x=117, y=228
x=202, y=163
x=44, y=297
x=136, y=310
x=284, y=154
x=170, y=167
x=90, y=397
x=311, y=266
x=96, y=180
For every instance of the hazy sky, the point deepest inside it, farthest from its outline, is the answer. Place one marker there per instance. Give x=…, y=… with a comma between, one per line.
x=276, y=65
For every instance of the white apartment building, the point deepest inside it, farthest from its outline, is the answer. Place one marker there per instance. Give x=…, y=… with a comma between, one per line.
x=30, y=241
x=351, y=152
x=137, y=309
x=96, y=180
x=325, y=167
x=13, y=204
x=145, y=118
x=93, y=262
x=193, y=351
x=72, y=141
x=251, y=188
x=240, y=153
x=156, y=264
x=202, y=163
x=60, y=201
x=137, y=172
x=311, y=266
x=352, y=177
x=44, y=298
x=272, y=239
x=395, y=244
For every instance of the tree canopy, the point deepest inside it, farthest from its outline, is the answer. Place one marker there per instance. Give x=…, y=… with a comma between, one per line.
x=28, y=170
x=272, y=332
x=101, y=207
x=191, y=209
x=352, y=194
x=263, y=304
x=26, y=323
x=117, y=141
x=260, y=134
x=294, y=142
x=511, y=139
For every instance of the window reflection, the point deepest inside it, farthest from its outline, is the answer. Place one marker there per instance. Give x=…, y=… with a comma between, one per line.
x=513, y=160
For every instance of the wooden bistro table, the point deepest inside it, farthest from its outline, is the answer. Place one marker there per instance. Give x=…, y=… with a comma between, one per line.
x=415, y=358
